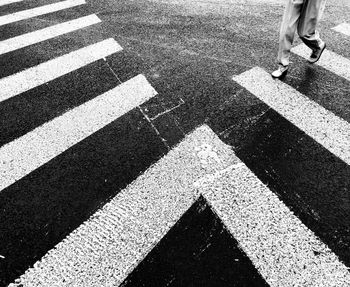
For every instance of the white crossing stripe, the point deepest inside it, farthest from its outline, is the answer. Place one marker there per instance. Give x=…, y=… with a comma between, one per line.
x=343, y=28
x=6, y=2
x=103, y=250
x=107, y=247
x=38, y=36
x=285, y=252
x=28, y=79
x=322, y=125
x=329, y=60
x=26, y=14
x=25, y=154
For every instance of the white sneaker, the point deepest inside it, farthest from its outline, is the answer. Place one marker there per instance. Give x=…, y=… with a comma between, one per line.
x=280, y=72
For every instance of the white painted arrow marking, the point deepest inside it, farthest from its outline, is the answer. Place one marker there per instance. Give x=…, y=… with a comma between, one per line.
x=103, y=250
x=107, y=247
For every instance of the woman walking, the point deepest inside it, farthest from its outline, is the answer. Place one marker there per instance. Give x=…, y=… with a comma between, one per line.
x=303, y=16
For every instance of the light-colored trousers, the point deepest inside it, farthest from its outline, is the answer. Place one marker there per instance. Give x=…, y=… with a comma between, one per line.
x=303, y=16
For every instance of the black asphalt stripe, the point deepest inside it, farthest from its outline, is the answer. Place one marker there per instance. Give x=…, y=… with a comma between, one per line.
x=24, y=5
x=39, y=210
x=310, y=180
x=33, y=24
x=36, y=54
x=21, y=27
x=67, y=14
x=197, y=251
x=24, y=112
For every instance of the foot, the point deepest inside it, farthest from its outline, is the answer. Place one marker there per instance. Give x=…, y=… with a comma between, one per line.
x=280, y=72
x=316, y=54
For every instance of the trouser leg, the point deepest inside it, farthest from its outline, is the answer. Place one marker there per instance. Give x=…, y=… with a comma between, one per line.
x=289, y=26
x=309, y=18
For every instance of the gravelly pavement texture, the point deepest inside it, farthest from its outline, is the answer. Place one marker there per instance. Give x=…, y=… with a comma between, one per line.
x=189, y=51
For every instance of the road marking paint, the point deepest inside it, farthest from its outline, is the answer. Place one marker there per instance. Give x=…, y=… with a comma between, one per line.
x=27, y=153
x=38, y=36
x=343, y=28
x=285, y=252
x=329, y=60
x=28, y=79
x=26, y=14
x=6, y=2
x=107, y=247
x=322, y=125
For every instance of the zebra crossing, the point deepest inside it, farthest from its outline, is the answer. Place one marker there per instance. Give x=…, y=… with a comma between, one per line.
x=25, y=154
x=105, y=249
x=41, y=74
x=28, y=152
x=22, y=41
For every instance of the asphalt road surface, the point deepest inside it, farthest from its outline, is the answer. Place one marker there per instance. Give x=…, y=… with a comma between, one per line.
x=144, y=143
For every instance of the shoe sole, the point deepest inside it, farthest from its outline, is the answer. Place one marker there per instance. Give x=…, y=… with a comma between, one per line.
x=313, y=62
x=281, y=76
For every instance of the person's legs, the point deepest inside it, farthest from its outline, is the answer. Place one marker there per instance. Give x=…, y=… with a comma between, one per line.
x=288, y=28
x=309, y=18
